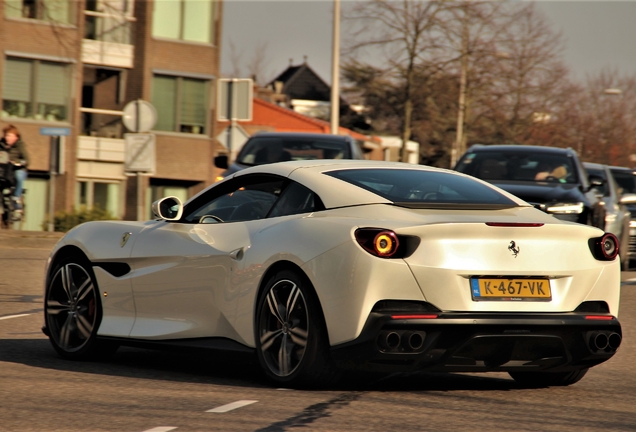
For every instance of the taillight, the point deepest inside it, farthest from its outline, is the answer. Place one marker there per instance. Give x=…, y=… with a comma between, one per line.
x=605, y=248
x=382, y=243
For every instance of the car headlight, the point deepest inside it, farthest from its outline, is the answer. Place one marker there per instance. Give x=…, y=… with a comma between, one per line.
x=632, y=223
x=565, y=208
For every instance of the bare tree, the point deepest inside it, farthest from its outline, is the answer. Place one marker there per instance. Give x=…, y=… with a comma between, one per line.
x=471, y=31
x=531, y=80
x=607, y=118
x=236, y=58
x=257, y=66
x=404, y=32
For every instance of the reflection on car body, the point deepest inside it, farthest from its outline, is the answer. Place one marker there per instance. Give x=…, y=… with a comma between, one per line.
x=318, y=267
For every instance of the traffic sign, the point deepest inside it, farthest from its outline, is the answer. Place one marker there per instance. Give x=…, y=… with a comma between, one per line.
x=240, y=104
x=140, y=153
x=55, y=131
x=139, y=116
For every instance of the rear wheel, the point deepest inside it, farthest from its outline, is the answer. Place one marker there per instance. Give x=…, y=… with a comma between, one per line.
x=291, y=337
x=73, y=311
x=545, y=379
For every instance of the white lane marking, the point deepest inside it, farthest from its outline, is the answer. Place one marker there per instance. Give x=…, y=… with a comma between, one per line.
x=232, y=406
x=13, y=316
x=161, y=429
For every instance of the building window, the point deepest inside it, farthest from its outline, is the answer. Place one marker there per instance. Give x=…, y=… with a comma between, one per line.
x=58, y=11
x=181, y=104
x=35, y=89
x=188, y=20
x=109, y=21
x=101, y=195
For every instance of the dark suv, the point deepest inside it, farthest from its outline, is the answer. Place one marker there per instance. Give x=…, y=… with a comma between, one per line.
x=551, y=179
x=270, y=147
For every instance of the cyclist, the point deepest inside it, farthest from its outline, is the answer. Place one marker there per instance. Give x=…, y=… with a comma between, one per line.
x=19, y=158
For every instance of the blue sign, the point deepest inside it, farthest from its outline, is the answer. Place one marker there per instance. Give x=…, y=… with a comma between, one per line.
x=55, y=131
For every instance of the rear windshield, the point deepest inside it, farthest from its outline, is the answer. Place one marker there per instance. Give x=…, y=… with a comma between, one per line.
x=430, y=189
x=519, y=166
x=263, y=150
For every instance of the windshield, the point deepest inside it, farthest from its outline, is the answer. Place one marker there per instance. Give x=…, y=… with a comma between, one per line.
x=519, y=166
x=405, y=186
x=625, y=180
x=262, y=150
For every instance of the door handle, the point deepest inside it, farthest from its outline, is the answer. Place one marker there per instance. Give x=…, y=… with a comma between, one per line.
x=237, y=254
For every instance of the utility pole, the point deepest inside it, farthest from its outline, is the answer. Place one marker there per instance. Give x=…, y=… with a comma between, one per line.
x=335, y=70
x=458, y=146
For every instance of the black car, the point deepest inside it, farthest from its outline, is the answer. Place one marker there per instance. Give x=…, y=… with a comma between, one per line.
x=551, y=179
x=270, y=147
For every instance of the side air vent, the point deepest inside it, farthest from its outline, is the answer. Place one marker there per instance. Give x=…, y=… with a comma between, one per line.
x=116, y=269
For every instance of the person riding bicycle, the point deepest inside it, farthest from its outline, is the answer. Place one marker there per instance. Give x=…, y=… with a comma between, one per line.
x=18, y=157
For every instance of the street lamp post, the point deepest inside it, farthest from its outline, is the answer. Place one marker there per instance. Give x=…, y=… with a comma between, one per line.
x=335, y=70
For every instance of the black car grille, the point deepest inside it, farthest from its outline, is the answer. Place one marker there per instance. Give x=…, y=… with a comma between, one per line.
x=632, y=244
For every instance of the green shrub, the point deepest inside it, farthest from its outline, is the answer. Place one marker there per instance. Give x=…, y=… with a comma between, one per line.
x=63, y=221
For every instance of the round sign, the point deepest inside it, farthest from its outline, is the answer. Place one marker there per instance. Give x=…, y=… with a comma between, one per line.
x=139, y=116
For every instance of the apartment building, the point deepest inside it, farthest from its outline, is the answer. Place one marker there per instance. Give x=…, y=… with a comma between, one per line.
x=75, y=64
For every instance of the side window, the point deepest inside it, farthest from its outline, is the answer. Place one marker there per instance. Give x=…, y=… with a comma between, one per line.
x=242, y=199
x=296, y=199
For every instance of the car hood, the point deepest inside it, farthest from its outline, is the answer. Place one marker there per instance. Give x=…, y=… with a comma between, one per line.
x=533, y=192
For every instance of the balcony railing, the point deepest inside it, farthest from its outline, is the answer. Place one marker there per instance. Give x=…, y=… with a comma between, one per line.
x=102, y=123
x=108, y=39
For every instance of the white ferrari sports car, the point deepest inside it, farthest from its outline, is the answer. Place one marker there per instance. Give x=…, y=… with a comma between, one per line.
x=321, y=266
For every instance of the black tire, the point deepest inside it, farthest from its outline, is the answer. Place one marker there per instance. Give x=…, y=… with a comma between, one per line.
x=73, y=311
x=546, y=379
x=291, y=336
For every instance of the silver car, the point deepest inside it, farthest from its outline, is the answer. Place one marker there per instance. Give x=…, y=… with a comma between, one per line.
x=626, y=180
x=617, y=215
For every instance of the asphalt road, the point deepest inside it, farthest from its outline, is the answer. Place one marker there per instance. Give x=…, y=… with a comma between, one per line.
x=139, y=390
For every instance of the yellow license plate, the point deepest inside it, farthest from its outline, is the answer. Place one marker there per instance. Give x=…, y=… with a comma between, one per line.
x=511, y=289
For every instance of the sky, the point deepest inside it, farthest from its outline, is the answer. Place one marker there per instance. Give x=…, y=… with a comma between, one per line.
x=598, y=34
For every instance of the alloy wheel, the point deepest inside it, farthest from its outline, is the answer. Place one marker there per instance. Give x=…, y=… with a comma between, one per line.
x=71, y=309
x=283, y=328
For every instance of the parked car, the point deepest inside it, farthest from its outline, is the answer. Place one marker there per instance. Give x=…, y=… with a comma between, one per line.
x=626, y=179
x=317, y=267
x=617, y=215
x=551, y=179
x=270, y=147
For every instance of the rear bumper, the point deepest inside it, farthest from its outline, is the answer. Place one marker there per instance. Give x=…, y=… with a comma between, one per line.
x=479, y=342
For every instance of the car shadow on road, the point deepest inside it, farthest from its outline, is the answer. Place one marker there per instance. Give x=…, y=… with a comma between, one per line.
x=221, y=368
x=205, y=367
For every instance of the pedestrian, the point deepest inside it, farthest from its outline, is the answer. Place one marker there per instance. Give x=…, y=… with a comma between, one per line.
x=13, y=144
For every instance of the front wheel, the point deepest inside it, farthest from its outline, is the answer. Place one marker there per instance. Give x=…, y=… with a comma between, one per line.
x=291, y=337
x=72, y=311
x=546, y=379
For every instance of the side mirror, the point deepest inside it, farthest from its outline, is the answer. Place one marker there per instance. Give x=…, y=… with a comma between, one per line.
x=628, y=199
x=221, y=161
x=596, y=181
x=169, y=208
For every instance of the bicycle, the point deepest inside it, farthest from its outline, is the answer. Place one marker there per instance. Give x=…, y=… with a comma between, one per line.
x=10, y=215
